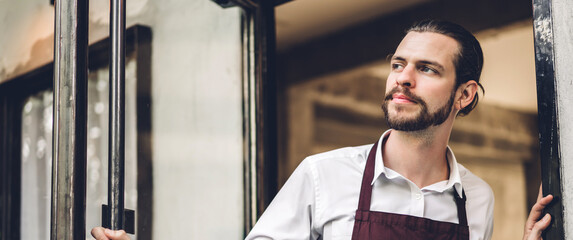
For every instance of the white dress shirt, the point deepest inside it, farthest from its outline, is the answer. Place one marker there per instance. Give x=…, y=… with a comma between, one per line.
x=320, y=198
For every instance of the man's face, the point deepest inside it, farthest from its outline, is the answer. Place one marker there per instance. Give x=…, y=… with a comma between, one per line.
x=420, y=88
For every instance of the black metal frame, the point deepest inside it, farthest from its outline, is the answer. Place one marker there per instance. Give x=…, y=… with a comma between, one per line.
x=141, y=43
x=549, y=141
x=13, y=93
x=266, y=103
x=259, y=105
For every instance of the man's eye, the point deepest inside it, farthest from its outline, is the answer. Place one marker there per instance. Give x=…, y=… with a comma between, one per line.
x=428, y=70
x=396, y=66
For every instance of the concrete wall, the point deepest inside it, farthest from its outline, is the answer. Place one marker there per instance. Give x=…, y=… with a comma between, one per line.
x=27, y=29
x=562, y=35
x=196, y=103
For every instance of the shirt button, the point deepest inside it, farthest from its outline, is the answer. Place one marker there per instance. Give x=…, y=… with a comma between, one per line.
x=418, y=196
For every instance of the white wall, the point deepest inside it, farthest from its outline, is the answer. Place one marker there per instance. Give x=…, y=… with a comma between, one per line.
x=563, y=49
x=26, y=35
x=196, y=103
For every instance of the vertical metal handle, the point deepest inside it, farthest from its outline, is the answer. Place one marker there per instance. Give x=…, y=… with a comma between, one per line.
x=113, y=214
x=70, y=120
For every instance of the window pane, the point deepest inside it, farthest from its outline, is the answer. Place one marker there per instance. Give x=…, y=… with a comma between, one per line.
x=36, y=175
x=37, y=155
x=97, y=144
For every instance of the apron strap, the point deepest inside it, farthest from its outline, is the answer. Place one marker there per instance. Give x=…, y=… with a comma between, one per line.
x=461, y=204
x=366, y=188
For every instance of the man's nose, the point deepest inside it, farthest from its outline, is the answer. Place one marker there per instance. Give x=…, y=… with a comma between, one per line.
x=406, y=78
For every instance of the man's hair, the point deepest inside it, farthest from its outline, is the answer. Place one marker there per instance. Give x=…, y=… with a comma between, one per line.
x=469, y=60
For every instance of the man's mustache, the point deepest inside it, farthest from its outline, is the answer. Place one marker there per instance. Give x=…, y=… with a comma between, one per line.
x=406, y=92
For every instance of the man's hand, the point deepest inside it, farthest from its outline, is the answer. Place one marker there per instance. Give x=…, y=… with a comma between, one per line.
x=100, y=233
x=534, y=225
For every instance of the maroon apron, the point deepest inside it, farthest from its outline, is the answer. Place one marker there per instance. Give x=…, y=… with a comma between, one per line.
x=380, y=225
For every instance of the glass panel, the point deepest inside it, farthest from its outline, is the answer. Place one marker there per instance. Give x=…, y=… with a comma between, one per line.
x=37, y=154
x=197, y=125
x=97, y=143
x=36, y=165
x=197, y=122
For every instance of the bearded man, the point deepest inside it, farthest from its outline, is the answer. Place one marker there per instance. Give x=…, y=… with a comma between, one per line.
x=407, y=185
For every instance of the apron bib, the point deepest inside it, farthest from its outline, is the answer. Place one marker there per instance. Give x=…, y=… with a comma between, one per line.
x=370, y=225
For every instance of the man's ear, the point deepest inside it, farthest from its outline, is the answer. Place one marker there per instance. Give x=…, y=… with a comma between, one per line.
x=465, y=94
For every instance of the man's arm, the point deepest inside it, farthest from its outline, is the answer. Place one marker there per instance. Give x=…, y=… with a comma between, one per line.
x=289, y=216
x=291, y=213
x=534, y=225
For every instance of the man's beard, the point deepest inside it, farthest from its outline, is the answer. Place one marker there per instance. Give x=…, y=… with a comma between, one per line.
x=423, y=119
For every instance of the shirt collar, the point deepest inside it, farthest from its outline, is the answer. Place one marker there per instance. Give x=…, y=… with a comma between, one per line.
x=453, y=181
